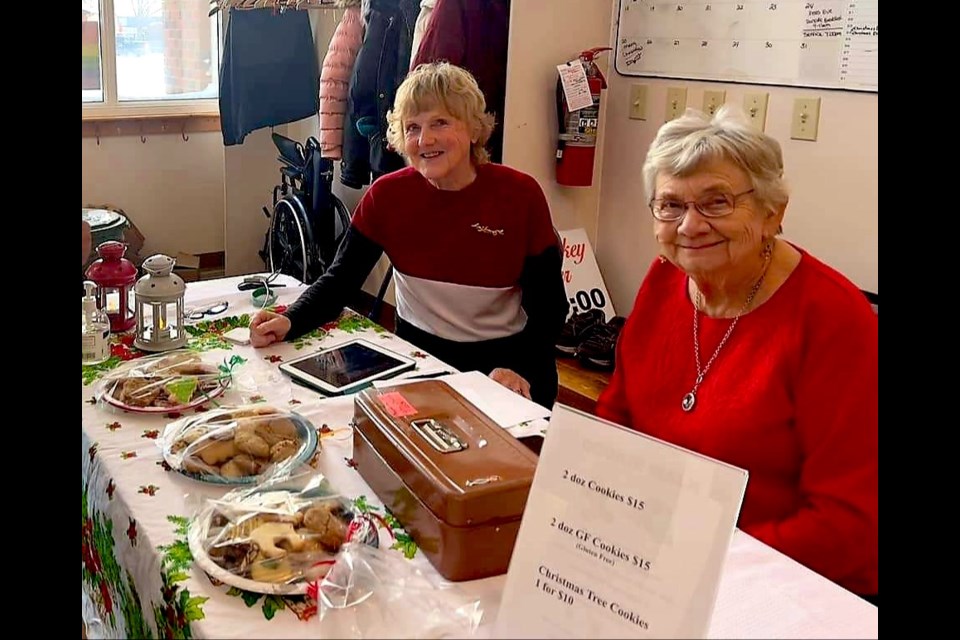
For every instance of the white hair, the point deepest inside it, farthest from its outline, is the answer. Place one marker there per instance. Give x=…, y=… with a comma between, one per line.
x=683, y=145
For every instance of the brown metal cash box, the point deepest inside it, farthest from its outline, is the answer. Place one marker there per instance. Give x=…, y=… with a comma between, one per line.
x=454, y=478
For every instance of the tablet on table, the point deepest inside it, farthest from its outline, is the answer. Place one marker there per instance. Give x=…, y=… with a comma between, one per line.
x=347, y=368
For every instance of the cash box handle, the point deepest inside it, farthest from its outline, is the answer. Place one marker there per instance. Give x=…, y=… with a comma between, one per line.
x=439, y=437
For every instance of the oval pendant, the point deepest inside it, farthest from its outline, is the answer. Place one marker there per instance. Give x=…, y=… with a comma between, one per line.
x=688, y=401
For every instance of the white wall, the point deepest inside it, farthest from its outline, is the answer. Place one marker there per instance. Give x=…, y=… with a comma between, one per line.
x=251, y=171
x=543, y=34
x=171, y=189
x=833, y=211
x=834, y=204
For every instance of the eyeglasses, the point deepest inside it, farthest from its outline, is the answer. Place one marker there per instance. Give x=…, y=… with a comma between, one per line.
x=714, y=205
x=209, y=310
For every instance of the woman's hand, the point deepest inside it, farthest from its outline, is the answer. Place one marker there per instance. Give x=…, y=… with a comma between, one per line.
x=511, y=380
x=268, y=327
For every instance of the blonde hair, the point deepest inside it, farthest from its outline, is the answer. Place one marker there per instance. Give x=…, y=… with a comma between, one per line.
x=441, y=85
x=682, y=145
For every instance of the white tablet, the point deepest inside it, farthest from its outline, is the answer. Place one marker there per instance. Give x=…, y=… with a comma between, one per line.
x=347, y=368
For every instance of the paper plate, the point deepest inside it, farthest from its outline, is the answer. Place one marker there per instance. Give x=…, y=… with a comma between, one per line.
x=306, y=433
x=198, y=534
x=203, y=398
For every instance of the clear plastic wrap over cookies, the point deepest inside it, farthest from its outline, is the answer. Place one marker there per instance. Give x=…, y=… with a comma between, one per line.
x=276, y=537
x=235, y=446
x=165, y=383
x=378, y=593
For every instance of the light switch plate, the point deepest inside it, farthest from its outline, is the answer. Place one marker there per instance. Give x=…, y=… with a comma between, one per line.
x=806, y=119
x=676, y=102
x=638, y=102
x=755, y=105
x=713, y=100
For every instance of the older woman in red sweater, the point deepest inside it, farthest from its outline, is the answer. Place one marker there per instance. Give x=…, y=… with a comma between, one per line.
x=744, y=347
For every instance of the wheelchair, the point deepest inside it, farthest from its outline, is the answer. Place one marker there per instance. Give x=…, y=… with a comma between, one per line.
x=307, y=221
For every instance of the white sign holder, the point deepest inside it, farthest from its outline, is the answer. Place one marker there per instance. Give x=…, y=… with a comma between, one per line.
x=623, y=536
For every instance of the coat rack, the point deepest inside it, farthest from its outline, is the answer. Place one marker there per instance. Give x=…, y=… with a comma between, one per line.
x=277, y=5
x=181, y=126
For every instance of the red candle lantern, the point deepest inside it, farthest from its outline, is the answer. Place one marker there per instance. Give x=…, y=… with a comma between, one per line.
x=114, y=276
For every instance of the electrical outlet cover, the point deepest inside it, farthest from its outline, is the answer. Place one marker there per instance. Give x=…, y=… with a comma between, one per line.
x=676, y=102
x=713, y=100
x=806, y=119
x=755, y=105
x=638, y=102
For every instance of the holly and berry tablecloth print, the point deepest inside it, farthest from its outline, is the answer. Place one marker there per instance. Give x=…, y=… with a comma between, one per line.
x=138, y=575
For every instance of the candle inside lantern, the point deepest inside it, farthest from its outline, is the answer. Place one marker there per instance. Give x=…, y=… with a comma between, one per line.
x=114, y=276
x=160, y=328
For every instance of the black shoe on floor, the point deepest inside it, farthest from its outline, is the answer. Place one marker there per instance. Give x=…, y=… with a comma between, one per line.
x=599, y=347
x=576, y=328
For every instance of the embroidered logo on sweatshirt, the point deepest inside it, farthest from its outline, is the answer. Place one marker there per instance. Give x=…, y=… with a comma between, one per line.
x=485, y=229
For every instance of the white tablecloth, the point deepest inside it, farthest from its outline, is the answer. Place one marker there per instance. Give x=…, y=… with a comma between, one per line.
x=137, y=581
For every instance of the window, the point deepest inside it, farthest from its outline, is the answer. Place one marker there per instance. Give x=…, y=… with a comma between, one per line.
x=149, y=57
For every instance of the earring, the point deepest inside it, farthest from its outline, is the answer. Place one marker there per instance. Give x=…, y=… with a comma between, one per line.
x=767, y=249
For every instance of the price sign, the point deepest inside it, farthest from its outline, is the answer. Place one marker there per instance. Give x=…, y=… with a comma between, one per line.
x=581, y=275
x=623, y=536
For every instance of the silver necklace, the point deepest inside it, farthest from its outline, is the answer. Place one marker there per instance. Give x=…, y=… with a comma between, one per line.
x=690, y=399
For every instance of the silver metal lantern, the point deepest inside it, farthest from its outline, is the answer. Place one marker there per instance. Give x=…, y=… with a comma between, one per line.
x=159, y=302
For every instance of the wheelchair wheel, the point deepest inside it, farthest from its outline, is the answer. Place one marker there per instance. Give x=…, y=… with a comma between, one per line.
x=291, y=245
x=341, y=222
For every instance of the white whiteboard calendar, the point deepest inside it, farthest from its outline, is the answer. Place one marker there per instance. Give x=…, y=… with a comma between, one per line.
x=824, y=43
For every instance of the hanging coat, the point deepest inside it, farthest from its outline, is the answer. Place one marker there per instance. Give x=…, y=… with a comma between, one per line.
x=335, y=78
x=473, y=34
x=269, y=72
x=381, y=66
x=426, y=10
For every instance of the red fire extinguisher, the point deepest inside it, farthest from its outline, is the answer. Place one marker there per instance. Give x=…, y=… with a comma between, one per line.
x=577, y=143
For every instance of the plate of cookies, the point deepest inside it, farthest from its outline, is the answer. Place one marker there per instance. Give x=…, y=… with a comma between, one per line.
x=275, y=540
x=235, y=446
x=165, y=383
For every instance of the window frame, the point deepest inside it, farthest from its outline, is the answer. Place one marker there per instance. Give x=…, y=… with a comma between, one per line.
x=111, y=108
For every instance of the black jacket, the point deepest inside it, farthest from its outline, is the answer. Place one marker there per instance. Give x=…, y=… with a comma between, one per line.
x=381, y=65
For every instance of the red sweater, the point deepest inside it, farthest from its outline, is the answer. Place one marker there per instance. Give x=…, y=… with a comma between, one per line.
x=478, y=236
x=792, y=398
